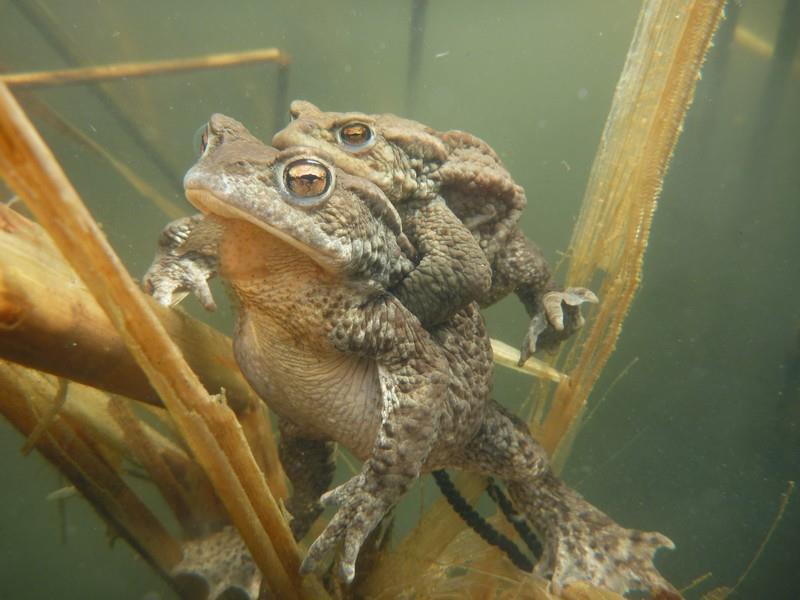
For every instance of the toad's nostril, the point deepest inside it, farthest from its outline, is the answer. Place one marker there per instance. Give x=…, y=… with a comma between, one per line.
x=297, y=132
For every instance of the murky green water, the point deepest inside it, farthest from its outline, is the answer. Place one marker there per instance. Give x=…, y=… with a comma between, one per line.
x=700, y=436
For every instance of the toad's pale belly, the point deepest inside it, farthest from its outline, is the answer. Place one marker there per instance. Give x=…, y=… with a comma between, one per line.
x=327, y=394
x=285, y=302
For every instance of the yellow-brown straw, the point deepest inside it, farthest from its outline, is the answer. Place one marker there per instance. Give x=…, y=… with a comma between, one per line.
x=145, y=69
x=608, y=244
x=208, y=426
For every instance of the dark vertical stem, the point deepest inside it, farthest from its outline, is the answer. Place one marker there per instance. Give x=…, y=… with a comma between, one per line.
x=281, y=98
x=758, y=156
x=61, y=506
x=416, y=38
x=43, y=21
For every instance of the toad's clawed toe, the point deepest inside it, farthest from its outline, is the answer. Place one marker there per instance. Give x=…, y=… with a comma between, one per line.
x=359, y=513
x=558, y=319
x=170, y=278
x=554, y=303
x=536, y=327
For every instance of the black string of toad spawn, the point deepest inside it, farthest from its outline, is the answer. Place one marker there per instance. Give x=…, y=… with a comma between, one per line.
x=484, y=529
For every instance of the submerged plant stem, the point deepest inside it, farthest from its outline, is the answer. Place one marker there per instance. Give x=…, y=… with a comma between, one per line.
x=209, y=427
x=608, y=244
x=773, y=526
x=144, y=69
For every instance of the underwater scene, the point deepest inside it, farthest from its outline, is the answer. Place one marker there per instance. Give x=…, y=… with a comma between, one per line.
x=616, y=183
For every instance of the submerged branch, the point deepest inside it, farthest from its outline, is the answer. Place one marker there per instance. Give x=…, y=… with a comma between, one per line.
x=78, y=453
x=609, y=241
x=74, y=339
x=209, y=427
x=145, y=69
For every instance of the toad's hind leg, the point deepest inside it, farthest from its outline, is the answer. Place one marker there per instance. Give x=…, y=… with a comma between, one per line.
x=581, y=543
x=309, y=465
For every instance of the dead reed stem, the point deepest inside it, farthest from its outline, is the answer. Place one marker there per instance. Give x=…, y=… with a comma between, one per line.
x=145, y=69
x=27, y=394
x=74, y=338
x=608, y=244
x=420, y=549
x=208, y=426
x=507, y=356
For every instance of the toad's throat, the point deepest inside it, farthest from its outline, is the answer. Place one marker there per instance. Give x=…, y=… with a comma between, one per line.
x=208, y=203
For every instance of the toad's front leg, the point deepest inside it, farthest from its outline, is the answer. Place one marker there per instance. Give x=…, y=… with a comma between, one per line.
x=412, y=377
x=555, y=313
x=452, y=271
x=185, y=260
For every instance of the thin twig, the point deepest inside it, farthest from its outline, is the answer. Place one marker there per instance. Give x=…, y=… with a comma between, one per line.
x=209, y=428
x=47, y=419
x=778, y=516
x=144, y=69
x=697, y=581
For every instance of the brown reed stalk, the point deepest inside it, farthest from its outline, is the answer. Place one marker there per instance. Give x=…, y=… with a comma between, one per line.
x=75, y=339
x=208, y=426
x=145, y=69
x=79, y=455
x=608, y=244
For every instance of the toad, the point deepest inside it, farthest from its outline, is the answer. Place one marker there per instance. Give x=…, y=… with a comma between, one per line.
x=459, y=207
x=308, y=252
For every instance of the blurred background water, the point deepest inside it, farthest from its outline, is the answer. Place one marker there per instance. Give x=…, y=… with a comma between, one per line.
x=697, y=438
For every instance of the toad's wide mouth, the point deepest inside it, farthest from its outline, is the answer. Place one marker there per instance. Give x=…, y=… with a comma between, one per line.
x=208, y=203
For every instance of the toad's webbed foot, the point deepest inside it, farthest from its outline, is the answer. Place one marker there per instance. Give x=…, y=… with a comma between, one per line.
x=558, y=318
x=580, y=543
x=362, y=504
x=185, y=261
x=584, y=544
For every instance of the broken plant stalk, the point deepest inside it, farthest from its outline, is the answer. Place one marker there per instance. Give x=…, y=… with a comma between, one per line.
x=208, y=425
x=608, y=243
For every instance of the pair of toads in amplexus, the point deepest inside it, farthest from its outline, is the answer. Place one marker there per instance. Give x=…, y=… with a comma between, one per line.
x=358, y=250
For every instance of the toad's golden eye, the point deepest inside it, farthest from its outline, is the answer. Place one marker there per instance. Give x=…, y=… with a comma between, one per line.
x=306, y=178
x=355, y=134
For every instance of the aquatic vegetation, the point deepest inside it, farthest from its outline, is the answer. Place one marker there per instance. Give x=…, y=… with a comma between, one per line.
x=610, y=238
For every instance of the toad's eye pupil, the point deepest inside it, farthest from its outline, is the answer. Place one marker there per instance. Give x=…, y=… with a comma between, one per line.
x=355, y=134
x=307, y=178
